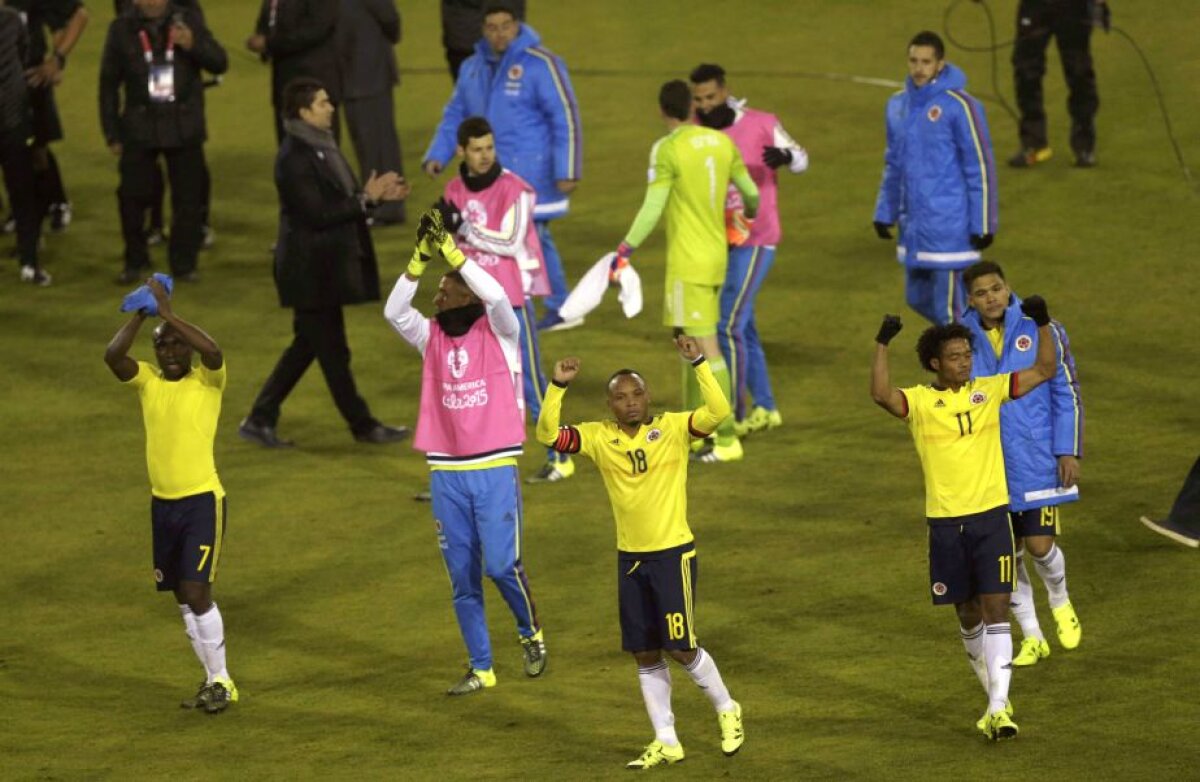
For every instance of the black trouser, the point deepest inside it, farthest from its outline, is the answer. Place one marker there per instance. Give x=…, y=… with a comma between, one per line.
x=48, y=177
x=455, y=59
x=16, y=160
x=135, y=196
x=160, y=192
x=319, y=334
x=1186, y=511
x=1068, y=21
x=372, y=125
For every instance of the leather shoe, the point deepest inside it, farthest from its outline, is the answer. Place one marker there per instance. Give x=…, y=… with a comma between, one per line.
x=262, y=434
x=381, y=434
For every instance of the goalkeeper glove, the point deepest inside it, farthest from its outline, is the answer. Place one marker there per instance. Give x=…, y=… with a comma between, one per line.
x=776, y=156
x=883, y=230
x=451, y=216
x=450, y=251
x=888, y=329
x=982, y=241
x=1035, y=307
x=737, y=227
x=620, y=262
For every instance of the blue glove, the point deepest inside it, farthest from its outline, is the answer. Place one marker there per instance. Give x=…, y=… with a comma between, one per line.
x=143, y=300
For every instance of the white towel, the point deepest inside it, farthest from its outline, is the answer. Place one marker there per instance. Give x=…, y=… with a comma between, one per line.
x=589, y=291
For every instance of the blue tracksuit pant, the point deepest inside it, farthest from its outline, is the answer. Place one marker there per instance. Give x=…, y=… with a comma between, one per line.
x=737, y=332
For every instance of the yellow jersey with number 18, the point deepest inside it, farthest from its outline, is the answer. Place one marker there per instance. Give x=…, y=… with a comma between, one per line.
x=957, y=434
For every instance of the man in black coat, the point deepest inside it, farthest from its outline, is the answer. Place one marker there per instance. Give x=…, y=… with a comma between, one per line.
x=324, y=259
x=366, y=32
x=157, y=56
x=16, y=159
x=296, y=36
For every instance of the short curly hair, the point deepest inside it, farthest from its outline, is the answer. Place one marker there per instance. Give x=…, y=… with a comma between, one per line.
x=929, y=346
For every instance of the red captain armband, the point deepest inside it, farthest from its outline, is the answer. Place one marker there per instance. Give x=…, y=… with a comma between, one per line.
x=568, y=440
x=1014, y=388
x=904, y=396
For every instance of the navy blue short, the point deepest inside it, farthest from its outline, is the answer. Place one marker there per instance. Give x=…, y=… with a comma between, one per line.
x=187, y=535
x=1035, y=521
x=656, y=597
x=971, y=555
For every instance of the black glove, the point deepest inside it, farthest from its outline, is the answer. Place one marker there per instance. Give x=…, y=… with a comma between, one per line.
x=883, y=230
x=888, y=329
x=1035, y=307
x=426, y=228
x=776, y=156
x=982, y=241
x=451, y=216
x=1100, y=15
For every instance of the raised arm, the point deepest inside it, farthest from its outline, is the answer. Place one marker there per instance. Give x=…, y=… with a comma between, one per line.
x=561, y=438
x=411, y=325
x=1044, y=367
x=489, y=290
x=883, y=392
x=116, y=355
x=206, y=346
x=715, y=409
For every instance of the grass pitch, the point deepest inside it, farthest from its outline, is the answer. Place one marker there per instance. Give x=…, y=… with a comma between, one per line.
x=812, y=593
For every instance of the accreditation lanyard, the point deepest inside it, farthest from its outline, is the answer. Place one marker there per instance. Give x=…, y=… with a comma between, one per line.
x=161, y=79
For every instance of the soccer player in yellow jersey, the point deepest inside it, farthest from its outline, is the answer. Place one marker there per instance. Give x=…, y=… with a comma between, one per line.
x=691, y=169
x=643, y=459
x=955, y=424
x=180, y=408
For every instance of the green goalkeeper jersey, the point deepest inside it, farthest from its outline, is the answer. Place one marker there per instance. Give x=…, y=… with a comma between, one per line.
x=690, y=171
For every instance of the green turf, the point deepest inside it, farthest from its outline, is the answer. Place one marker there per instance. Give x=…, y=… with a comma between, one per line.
x=813, y=588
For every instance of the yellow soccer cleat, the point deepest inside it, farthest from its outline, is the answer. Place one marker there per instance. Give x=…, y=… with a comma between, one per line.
x=1069, y=631
x=473, y=682
x=1032, y=650
x=221, y=693
x=984, y=725
x=732, y=735
x=718, y=453
x=1002, y=726
x=656, y=754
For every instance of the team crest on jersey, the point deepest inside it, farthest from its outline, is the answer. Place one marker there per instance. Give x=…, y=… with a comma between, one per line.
x=458, y=359
x=978, y=398
x=158, y=576
x=653, y=435
x=476, y=212
x=939, y=588
x=516, y=72
x=1024, y=342
x=934, y=113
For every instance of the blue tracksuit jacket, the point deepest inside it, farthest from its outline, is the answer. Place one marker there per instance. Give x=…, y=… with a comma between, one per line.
x=939, y=174
x=1040, y=426
x=526, y=96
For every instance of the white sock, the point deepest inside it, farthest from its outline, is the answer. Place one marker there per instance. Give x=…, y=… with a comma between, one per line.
x=973, y=641
x=656, y=691
x=189, y=623
x=1022, y=604
x=211, y=631
x=704, y=673
x=997, y=649
x=1053, y=570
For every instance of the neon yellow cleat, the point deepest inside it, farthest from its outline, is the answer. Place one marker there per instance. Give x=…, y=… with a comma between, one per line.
x=221, y=693
x=983, y=723
x=721, y=453
x=553, y=471
x=1002, y=726
x=1032, y=650
x=474, y=681
x=732, y=735
x=1069, y=631
x=760, y=419
x=656, y=754
x=533, y=649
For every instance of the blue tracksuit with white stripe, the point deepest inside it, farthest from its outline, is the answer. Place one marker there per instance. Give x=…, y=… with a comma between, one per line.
x=1040, y=426
x=939, y=185
x=526, y=96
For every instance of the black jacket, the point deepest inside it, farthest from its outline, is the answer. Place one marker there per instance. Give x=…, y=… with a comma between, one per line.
x=300, y=43
x=324, y=256
x=14, y=48
x=123, y=70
